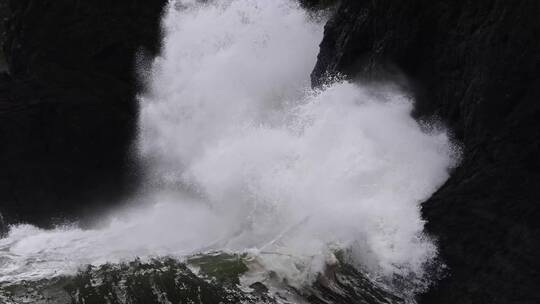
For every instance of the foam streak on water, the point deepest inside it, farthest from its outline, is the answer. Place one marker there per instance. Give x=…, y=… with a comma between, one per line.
x=242, y=156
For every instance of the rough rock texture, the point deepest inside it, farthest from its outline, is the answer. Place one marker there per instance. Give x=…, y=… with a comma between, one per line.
x=4, y=13
x=67, y=108
x=476, y=65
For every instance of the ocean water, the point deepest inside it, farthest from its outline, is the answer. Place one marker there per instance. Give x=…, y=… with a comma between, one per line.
x=242, y=156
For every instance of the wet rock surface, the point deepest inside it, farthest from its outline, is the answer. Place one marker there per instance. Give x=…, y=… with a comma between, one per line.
x=476, y=66
x=67, y=108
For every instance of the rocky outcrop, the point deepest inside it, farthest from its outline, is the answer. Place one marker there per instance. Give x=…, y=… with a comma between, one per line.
x=67, y=107
x=476, y=66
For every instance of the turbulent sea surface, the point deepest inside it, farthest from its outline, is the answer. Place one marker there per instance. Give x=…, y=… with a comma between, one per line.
x=258, y=189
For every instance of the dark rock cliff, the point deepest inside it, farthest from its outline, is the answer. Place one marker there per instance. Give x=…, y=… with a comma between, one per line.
x=4, y=13
x=476, y=65
x=67, y=106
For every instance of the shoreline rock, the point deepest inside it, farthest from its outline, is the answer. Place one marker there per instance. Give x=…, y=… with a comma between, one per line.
x=476, y=67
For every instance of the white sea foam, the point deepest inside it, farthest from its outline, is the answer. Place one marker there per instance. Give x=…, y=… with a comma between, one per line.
x=242, y=156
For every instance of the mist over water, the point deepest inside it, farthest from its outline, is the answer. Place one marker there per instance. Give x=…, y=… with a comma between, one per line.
x=241, y=155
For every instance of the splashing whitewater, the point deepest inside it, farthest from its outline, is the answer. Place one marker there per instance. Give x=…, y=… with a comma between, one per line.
x=242, y=156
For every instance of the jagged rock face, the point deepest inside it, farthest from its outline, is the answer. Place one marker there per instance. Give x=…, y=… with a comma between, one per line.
x=476, y=66
x=67, y=110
